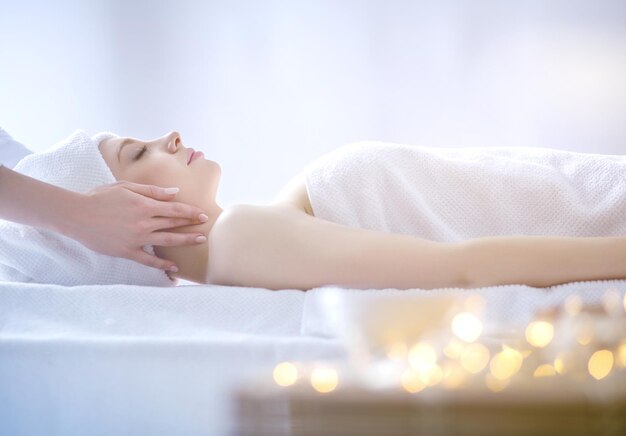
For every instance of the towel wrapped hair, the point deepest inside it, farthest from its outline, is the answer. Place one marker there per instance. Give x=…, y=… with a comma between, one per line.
x=29, y=254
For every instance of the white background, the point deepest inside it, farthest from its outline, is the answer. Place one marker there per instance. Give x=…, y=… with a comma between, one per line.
x=264, y=87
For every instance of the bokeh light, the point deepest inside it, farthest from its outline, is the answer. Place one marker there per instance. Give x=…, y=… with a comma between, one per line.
x=285, y=374
x=566, y=362
x=467, y=326
x=495, y=384
x=453, y=375
x=432, y=376
x=475, y=303
x=474, y=358
x=600, y=364
x=584, y=331
x=611, y=301
x=397, y=351
x=454, y=348
x=573, y=305
x=539, y=333
x=422, y=356
x=324, y=379
x=545, y=370
x=621, y=354
x=506, y=363
x=412, y=381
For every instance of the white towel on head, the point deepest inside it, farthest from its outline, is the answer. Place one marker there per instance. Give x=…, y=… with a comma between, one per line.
x=29, y=254
x=453, y=194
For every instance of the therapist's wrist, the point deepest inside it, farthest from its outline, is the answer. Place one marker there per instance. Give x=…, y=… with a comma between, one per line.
x=66, y=218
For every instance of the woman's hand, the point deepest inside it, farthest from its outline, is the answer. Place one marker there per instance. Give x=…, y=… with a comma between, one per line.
x=120, y=218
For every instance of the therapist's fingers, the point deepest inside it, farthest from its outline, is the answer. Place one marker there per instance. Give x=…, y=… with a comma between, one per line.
x=160, y=223
x=172, y=209
x=169, y=239
x=164, y=206
x=152, y=191
x=155, y=262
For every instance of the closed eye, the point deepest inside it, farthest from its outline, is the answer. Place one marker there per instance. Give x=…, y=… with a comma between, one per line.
x=141, y=152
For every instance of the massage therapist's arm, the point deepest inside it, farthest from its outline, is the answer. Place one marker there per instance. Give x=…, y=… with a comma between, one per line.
x=294, y=250
x=116, y=219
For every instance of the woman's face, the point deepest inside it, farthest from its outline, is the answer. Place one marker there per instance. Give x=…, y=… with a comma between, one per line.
x=164, y=162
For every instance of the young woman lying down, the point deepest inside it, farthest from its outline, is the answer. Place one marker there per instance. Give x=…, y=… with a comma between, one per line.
x=379, y=215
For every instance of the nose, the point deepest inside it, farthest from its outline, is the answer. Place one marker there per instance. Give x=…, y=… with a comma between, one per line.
x=173, y=141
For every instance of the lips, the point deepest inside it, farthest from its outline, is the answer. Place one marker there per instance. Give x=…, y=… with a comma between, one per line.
x=194, y=155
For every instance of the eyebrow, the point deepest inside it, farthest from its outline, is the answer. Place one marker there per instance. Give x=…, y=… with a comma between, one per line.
x=123, y=144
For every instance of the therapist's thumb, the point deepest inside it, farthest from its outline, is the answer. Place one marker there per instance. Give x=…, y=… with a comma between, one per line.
x=152, y=191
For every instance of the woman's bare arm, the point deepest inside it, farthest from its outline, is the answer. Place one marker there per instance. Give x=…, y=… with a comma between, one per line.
x=287, y=249
x=284, y=248
x=542, y=261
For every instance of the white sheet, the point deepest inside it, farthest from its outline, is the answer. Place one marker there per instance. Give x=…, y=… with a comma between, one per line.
x=129, y=360
x=53, y=311
x=507, y=307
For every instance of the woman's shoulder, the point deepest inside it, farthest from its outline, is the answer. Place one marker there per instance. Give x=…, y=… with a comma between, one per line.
x=237, y=225
x=235, y=217
x=243, y=234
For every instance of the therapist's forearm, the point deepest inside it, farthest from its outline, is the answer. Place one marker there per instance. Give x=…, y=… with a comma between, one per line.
x=32, y=202
x=544, y=261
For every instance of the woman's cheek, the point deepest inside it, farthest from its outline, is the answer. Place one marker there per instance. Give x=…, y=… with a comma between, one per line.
x=158, y=176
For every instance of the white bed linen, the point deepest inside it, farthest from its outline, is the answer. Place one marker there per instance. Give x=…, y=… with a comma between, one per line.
x=130, y=360
x=508, y=307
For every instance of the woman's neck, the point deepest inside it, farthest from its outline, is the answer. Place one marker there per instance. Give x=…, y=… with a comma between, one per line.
x=192, y=260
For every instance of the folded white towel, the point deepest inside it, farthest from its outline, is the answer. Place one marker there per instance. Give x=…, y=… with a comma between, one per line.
x=29, y=254
x=452, y=194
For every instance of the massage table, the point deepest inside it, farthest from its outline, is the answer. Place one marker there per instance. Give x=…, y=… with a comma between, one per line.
x=130, y=360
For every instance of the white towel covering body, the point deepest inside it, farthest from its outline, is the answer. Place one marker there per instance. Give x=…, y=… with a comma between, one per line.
x=452, y=194
x=11, y=151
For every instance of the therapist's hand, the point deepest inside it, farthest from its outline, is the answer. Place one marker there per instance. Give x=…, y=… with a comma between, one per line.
x=120, y=218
